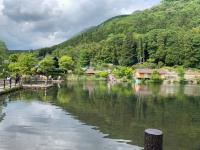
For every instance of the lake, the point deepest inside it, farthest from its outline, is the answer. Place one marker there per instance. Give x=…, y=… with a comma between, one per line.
x=94, y=115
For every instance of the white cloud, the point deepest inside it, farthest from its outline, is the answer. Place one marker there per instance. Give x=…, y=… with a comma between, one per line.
x=1, y=6
x=39, y=23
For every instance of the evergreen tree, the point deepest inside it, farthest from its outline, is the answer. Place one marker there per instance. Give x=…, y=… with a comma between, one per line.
x=129, y=51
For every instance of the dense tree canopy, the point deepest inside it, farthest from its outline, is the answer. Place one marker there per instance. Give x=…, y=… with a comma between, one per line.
x=22, y=63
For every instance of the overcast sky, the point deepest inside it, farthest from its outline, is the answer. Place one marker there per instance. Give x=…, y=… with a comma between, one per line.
x=30, y=24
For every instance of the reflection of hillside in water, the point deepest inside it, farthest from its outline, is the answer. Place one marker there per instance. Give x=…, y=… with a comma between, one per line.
x=166, y=90
x=123, y=111
x=192, y=90
x=144, y=90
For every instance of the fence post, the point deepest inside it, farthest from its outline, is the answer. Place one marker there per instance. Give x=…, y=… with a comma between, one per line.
x=153, y=139
x=4, y=83
x=10, y=83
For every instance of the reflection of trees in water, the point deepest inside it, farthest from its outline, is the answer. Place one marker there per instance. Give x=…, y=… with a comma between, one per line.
x=166, y=90
x=3, y=104
x=46, y=95
x=2, y=114
x=90, y=87
x=123, y=111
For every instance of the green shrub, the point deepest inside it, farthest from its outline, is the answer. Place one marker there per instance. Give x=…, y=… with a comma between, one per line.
x=198, y=81
x=78, y=71
x=181, y=71
x=121, y=72
x=183, y=81
x=155, y=77
x=181, y=74
x=102, y=74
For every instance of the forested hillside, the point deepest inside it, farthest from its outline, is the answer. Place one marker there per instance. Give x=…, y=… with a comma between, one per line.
x=168, y=34
x=3, y=57
x=3, y=51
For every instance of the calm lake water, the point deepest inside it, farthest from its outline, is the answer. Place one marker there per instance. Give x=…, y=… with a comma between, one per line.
x=99, y=116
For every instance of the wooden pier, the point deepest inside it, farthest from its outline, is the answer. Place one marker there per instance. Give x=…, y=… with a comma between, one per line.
x=41, y=84
x=37, y=86
x=7, y=86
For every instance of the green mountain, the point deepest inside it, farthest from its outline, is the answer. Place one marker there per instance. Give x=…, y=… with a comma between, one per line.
x=167, y=34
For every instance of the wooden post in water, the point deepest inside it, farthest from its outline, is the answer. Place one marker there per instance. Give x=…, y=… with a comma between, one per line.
x=153, y=139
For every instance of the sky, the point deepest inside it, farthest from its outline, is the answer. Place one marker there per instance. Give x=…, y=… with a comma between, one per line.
x=31, y=24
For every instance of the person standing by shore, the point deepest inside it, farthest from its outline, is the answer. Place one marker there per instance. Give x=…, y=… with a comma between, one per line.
x=17, y=79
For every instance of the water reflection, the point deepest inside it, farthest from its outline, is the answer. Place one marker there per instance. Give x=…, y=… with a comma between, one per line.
x=166, y=90
x=49, y=128
x=111, y=111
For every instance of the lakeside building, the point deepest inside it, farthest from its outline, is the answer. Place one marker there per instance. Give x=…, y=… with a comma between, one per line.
x=192, y=76
x=90, y=72
x=147, y=73
x=172, y=76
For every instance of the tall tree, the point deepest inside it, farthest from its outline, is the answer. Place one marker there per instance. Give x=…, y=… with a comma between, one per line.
x=66, y=63
x=85, y=58
x=129, y=51
x=3, y=53
x=46, y=65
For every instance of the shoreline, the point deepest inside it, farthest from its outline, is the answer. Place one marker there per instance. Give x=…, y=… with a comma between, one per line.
x=7, y=91
x=75, y=77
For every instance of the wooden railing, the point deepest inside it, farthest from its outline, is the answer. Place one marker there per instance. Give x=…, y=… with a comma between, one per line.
x=8, y=83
